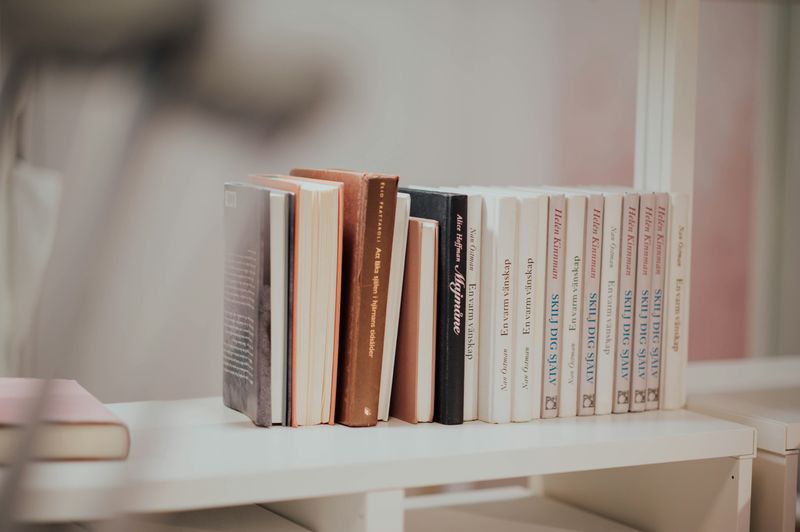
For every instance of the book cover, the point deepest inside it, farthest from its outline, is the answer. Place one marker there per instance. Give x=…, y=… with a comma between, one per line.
x=554, y=292
x=246, y=345
x=593, y=247
x=676, y=318
x=367, y=252
x=657, y=299
x=642, y=301
x=450, y=211
x=498, y=263
x=627, y=303
x=413, y=386
x=396, y=273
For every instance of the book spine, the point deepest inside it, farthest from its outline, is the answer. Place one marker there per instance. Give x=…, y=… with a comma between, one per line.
x=364, y=349
x=657, y=299
x=553, y=307
x=609, y=291
x=523, y=370
x=449, y=395
x=538, y=305
x=593, y=247
x=641, y=321
x=675, y=343
x=473, y=306
x=573, y=304
x=627, y=303
x=494, y=382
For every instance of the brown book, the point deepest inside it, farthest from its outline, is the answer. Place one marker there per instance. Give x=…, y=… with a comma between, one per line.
x=414, y=369
x=369, y=209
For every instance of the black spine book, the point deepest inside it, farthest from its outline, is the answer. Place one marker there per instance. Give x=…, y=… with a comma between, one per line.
x=246, y=315
x=450, y=210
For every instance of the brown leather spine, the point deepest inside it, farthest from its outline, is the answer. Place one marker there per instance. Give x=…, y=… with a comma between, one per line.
x=369, y=208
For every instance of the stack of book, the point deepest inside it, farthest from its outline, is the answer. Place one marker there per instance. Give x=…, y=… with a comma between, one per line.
x=350, y=300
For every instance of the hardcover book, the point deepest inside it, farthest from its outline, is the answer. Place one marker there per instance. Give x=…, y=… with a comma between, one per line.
x=554, y=306
x=399, y=241
x=413, y=386
x=255, y=320
x=593, y=248
x=315, y=295
x=75, y=425
x=627, y=302
x=450, y=211
x=641, y=321
x=657, y=299
x=368, y=233
x=677, y=305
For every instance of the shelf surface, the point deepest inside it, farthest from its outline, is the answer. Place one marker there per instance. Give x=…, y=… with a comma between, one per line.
x=193, y=454
x=763, y=393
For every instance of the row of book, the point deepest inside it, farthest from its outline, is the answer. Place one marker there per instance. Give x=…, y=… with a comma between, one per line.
x=349, y=299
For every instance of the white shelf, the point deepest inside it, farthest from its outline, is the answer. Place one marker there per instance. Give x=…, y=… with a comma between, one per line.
x=196, y=454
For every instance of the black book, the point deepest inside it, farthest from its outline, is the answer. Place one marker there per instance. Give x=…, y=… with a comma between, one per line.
x=450, y=210
x=256, y=317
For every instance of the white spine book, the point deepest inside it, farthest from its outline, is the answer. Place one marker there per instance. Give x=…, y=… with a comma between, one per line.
x=554, y=306
x=499, y=222
x=657, y=300
x=676, y=317
x=572, y=304
x=473, y=306
x=399, y=238
x=609, y=290
x=528, y=315
x=643, y=301
x=593, y=248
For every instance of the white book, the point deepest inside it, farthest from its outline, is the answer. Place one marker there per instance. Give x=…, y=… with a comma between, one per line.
x=278, y=253
x=627, y=303
x=609, y=290
x=676, y=317
x=593, y=248
x=498, y=259
x=402, y=209
x=642, y=300
x=657, y=299
x=473, y=306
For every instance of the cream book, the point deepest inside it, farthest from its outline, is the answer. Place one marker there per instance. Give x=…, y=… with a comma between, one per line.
x=642, y=299
x=676, y=316
x=413, y=382
x=554, y=305
x=627, y=303
x=316, y=294
x=657, y=300
x=74, y=424
x=498, y=260
x=393, y=303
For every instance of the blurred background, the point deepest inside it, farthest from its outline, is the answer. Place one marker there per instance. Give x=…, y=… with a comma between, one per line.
x=121, y=120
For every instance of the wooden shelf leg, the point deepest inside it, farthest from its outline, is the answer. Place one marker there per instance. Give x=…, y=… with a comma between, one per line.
x=698, y=495
x=774, y=491
x=377, y=511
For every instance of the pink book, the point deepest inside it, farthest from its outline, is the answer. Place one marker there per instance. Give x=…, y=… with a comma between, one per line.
x=75, y=424
x=593, y=247
x=657, y=299
x=641, y=321
x=554, y=288
x=626, y=306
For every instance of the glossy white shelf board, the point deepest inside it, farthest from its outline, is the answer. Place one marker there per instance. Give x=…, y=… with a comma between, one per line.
x=194, y=454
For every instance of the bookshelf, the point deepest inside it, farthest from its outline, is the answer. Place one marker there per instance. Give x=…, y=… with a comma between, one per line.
x=763, y=393
x=193, y=454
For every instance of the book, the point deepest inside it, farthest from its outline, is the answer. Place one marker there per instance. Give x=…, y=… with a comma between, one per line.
x=396, y=272
x=609, y=291
x=413, y=383
x=449, y=209
x=75, y=425
x=315, y=295
x=657, y=299
x=498, y=262
x=590, y=329
x=676, y=316
x=627, y=302
x=529, y=305
x=554, y=308
x=256, y=303
x=642, y=299
x=368, y=232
